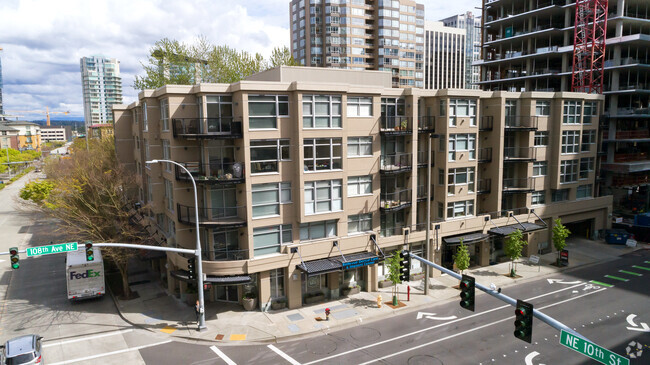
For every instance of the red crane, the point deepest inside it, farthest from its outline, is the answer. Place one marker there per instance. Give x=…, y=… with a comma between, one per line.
x=589, y=46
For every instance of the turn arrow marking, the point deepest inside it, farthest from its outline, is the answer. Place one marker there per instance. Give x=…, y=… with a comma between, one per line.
x=635, y=327
x=431, y=316
x=559, y=281
x=529, y=358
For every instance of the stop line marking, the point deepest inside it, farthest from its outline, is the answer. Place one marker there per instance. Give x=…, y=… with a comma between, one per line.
x=110, y=353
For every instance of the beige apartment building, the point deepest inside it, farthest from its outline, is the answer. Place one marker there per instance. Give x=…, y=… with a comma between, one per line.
x=308, y=177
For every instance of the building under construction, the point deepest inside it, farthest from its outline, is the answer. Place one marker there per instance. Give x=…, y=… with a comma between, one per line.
x=533, y=45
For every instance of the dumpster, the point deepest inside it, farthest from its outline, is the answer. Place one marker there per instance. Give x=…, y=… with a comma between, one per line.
x=617, y=236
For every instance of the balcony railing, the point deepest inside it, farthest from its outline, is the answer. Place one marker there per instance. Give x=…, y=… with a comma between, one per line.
x=484, y=186
x=422, y=192
x=486, y=123
x=516, y=154
x=506, y=212
x=639, y=134
x=224, y=127
x=392, y=231
x=395, y=200
x=399, y=162
x=215, y=172
x=522, y=185
x=485, y=154
x=620, y=181
x=213, y=217
x=427, y=124
x=396, y=125
x=423, y=160
x=522, y=122
x=631, y=157
x=225, y=254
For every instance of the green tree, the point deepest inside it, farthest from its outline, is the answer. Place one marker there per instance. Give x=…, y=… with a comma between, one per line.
x=560, y=234
x=461, y=258
x=282, y=57
x=37, y=191
x=514, y=244
x=394, y=270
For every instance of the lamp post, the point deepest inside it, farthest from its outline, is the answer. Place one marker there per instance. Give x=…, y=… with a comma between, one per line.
x=198, y=244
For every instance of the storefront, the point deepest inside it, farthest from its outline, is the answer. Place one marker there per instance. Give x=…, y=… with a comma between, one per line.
x=477, y=246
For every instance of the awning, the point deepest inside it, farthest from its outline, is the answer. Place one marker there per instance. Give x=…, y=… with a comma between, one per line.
x=467, y=239
x=524, y=227
x=338, y=263
x=228, y=280
x=181, y=275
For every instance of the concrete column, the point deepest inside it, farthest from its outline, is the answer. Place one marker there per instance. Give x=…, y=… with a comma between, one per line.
x=294, y=289
x=333, y=284
x=264, y=290
x=483, y=258
x=372, y=280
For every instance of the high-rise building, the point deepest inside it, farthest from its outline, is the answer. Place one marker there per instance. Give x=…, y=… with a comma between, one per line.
x=472, y=26
x=444, y=57
x=385, y=35
x=102, y=88
x=1, y=107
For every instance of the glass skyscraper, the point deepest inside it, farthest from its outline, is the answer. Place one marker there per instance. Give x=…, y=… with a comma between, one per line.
x=102, y=87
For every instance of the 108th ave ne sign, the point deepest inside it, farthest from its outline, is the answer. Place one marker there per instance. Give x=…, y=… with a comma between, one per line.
x=592, y=350
x=46, y=250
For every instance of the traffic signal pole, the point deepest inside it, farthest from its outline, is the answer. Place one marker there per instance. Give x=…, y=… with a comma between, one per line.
x=513, y=302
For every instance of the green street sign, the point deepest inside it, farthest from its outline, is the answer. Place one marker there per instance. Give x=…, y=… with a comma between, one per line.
x=592, y=350
x=50, y=249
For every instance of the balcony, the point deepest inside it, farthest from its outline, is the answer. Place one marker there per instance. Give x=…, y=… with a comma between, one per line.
x=218, y=128
x=226, y=254
x=486, y=123
x=630, y=181
x=427, y=124
x=392, y=231
x=629, y=135
x=484, y=186
x=423, y=160
x=628, y=163
x=221, y=217
x=521, y=122
x=422, y=192
x=215, y=172
x=485, y=155
x=514, y=186
x=396, y=125
x=394, y=201
x=395, y=164
x=519, y=154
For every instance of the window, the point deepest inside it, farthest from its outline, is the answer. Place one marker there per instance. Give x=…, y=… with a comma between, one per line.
x=360, y=223
x=462, y=108
x=166, y=150
x=586, y=166
x=359, y=146
x=316, y=230
x=265, y=154
x=146, y=153
x=538, y=197
x=441, y=177
x=359, y=185
x=277, y=283
x=560, y=195
x=583, y=192
x=164, y=114
x=570, y=141
x=542, y=108
x=443, y=107
x=460, y=143
x=323, y=196
x=591, y=110
x=321, y=111
x=460, y=209
x=145, y=123
x=268, y=197
x=572, y=111
x=588, y=138
x=540, y=168
x=541, y=139
x=268, y=240
x=169, y=195
x=322, y=154
x=460, y=176
x=263, y=110
x=568, y=171
x=359, y=106
x=149, y=189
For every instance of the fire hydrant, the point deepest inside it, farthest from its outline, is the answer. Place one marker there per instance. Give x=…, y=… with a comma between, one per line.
x=379, y=301
x=327, y=314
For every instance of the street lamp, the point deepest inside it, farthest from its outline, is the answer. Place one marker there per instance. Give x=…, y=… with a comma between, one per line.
x=198, y=244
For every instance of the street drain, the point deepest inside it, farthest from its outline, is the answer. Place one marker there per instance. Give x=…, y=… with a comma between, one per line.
x=321, y=347
x=365, y=333
x=424, y=360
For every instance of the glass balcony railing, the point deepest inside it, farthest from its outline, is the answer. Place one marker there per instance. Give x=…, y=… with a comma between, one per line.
x=521, y=122
x=521, y=185
x=485, y=154
x=228, y=216
x=396, y=163
x=396, y=125
x=427, y=124
x=215, y=172
x=224, y=127
x=515, y=154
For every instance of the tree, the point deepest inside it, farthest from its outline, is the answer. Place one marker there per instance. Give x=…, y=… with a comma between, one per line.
x=394, y=270
x=282, y=57
x=461, y=258
x=37, y=191
x=514, y=244
x=560, y=233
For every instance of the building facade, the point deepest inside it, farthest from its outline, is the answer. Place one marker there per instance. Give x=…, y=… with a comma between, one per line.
x=307, y=178
x=1, y=105
x=8, y=137
x=102, y=88
x=29, y=134
x=472, y=26
x=444, y=57
x=56, y=133
x=385, y=35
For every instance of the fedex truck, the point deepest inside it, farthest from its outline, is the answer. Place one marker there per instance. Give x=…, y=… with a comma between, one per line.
x=85, y=278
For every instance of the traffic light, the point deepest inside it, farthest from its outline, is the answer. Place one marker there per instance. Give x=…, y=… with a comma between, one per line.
x=191, y=268
x=89, y=251
x=524, y=321
x=405, y=267
x=467, y=292
x=15, y=259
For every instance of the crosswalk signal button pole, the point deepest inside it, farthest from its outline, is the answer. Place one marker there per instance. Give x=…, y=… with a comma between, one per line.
x=89, y=252
x=467, y=292
x=524, y=321
x=15, y=259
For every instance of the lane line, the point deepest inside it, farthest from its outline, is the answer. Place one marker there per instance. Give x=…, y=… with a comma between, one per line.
x=50, y=344
x=284, y=356
x=630, y=272
x=437, y=326
x=647, y=262
x=222, y=355
x=470, y=330
x=109, y=353
x=616, y=278
x=601, y=283
x=641, y=267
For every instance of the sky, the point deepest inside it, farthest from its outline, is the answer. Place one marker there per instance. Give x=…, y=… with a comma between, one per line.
x=43, y=40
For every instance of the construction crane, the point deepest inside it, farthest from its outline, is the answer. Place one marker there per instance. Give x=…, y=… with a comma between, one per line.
x=47, y=112
x=589, y=46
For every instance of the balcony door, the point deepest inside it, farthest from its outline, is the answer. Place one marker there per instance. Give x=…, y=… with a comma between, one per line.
x=224, y=203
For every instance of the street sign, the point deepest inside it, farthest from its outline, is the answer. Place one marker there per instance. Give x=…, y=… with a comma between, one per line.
x=592, y=350
x=564, y=257
x=50, y=249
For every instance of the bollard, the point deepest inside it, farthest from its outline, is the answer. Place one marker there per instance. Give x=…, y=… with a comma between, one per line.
x=408, y=293
x=379, y=301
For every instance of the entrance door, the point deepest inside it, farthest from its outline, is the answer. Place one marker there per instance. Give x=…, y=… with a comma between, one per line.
x=226, y=293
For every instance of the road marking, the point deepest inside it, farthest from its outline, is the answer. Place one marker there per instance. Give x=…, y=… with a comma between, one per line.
x=601, y=283
x=630, y=320
x=641, y=267
x=222, y=355
x=559, y=281
x=439, y=325
x=647, y=262
x=110, y=353
x=529, y=358
x=616, y=278
x=432, y=316
x=284, y=356
x=50, y=344
x=630, y=273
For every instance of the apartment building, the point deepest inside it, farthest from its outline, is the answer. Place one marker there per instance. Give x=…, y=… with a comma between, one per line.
x=308, y=178
x=385, y=35
x=444, y=56
x=28, y=134
x=56, y=133
x=102, y=88
x=1, y=107
x=472, y=26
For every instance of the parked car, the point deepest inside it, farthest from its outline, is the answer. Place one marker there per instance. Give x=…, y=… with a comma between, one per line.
x=23, y=350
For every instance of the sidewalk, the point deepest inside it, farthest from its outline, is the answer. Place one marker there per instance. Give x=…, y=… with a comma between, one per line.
x=159, y=312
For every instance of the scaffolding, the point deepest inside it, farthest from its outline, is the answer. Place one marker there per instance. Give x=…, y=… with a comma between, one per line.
x=589, y=46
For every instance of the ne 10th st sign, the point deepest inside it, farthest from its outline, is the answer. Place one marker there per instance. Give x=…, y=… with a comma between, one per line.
x=50, y=249
x=592, y=350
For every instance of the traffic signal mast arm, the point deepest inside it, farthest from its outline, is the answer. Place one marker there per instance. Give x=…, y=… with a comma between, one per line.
x=513, y=302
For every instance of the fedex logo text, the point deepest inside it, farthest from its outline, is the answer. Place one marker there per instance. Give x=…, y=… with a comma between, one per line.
x=88, y=274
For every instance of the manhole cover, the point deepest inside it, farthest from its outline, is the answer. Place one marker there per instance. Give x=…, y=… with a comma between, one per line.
x=321, y=347
x=424, y=360
x=365, y=333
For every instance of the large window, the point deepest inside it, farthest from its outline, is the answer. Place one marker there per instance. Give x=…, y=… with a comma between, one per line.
x=540, y=168
x=583, y=192
x=265, y=154
x=166, y=150
x=588, y=138
x=169, y=195
x=316, y=230
x=277, y=283
x=560, y=195
x=263, y=110
x=586, y=166
x=321, y=111
x=591, y=110
x=359, y=106
x=462, y=143
x=462, y=108
x=145, y=122
x=541, y=139
x=359, y=185
x=538, y=197
x=568, y=171
x=570, y=141
x=268, y=240
x=322, y=154
x=359, y=146
x=323, y=196
x=268, y=197
x=460, y=176
x=359, y=223
x=164, y=114
x=542, y=108
x=460, y=209
x=572, y=110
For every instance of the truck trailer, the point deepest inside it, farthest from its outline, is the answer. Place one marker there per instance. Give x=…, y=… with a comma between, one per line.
x=85, y=279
